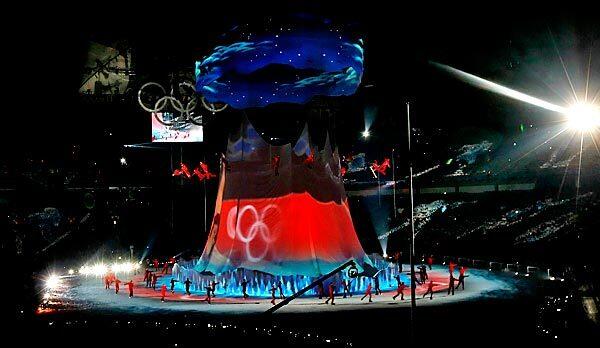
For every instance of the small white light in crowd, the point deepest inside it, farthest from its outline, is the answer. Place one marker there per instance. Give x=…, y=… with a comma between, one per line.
x=71, y=272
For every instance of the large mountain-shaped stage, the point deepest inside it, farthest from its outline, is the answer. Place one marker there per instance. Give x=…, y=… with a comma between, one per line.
x=281, y=215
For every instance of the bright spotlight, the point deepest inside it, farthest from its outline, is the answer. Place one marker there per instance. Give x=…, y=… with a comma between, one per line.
x=583, y=117
x=366, y=133
x=52, y=282
x=123, y=161
x=71, y=272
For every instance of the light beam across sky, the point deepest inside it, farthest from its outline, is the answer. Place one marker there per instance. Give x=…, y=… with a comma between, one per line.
x=497, y=88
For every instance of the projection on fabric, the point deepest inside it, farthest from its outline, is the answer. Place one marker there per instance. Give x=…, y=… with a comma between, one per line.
x=292, y=220
x=291, y=65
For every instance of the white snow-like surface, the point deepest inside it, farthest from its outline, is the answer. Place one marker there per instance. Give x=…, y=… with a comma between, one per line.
x=90, y=293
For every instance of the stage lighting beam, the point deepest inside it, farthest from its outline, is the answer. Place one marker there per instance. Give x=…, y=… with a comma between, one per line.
x=366, y=133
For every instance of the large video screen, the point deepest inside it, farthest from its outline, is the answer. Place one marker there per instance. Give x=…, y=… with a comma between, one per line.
x=176, y=133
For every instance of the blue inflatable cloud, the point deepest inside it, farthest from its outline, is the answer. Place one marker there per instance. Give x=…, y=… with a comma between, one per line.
x=289, y=66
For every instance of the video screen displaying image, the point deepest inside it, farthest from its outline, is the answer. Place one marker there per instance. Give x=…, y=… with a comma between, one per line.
x=176, y=133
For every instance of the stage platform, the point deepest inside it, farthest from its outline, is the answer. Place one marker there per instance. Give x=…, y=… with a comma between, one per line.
x=89, y=293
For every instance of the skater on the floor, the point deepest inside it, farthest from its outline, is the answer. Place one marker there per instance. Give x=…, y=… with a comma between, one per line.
x=163, y=292
x=421, y=274
x=187, y=286
x=149, y=279
x=273, y=289
x=154, y=279
x=451, y=266
x=155, y=261
x=461, y=277
x=117, y=283
x=415, y=279
x=209, y=290
x=376, y=281
x=173, y=281
x=280, y=288
x=320, y=289
x=451, y=284
x=106, y=282
x=346, y=285
x=331, y=294
x=367, y=293
x=166, y=268
x=430, y=261
x=244, y=288
x=429, y=290
x=400, y=291
x=130, y=285
x=213, y=286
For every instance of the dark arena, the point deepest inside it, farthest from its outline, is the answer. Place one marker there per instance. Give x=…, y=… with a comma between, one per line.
x=302, y=174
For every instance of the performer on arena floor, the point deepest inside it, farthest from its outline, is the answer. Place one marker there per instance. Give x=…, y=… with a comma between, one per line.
x=273, y=289
x=367, y=293
x=149, y=279
x=451, y=284
x=209, y=289
x=117, y=283
x=163, y=292
x=166, y=268
x=244, y=287
x=377, y=289
x=130, y=285
x=430, y=261
x=154, y=279
x=320, y=290
x=331, y=294
x=429, y=290
x=346, y=285
x=187, y=286
x=213, y=286
x=461, y=277
x=400, y=291
x=106, y=282
x=173, y=281
x=280, y=288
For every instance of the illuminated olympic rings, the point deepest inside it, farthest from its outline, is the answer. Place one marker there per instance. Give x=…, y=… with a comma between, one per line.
x=257, y=228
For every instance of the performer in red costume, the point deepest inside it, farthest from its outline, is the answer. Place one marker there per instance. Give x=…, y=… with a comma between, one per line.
x=343, y=171
x=429, y=290
x=368, y=293
x=430, y=261
x=163, y=292
x=331, y=294
x=117, y=283
x=451, y=266
x=130, y=285
x=183, y=171
x=461, y=277
x=155, y=262
x=400, y=291
x=381, y=168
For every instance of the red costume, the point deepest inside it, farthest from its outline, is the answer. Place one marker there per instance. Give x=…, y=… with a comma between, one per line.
x=163, y=292
x=155, y=261
x=310, y=159
x=381, y=168
x=183, y=171
x=343, y=171
x=331, y=294
x=130, y=285
x=117, y=282
x=367, y=293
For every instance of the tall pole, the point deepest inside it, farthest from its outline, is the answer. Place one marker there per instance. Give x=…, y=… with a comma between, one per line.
x=413, y=300
x=394, y=180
